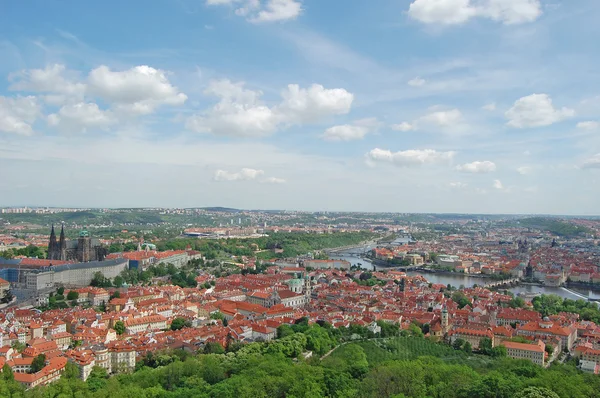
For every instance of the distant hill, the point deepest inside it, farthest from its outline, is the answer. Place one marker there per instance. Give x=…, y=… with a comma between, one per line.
x=221, y=209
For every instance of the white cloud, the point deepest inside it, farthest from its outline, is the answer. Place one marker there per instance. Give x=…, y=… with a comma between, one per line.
x=411, y=157
x=278, y=10
x=404, y=127
x=312, y=104
x=350, y=132
x=245, y=174
x=454, y=12
x=536, y=110
x=589, y=125
x=416, y=82
x=54, y=79
x=477, y=167
x=457, y=185
x=257, y=11
x=273, y=180
x=523, y=170
x=139, y=90
x=489, y=107
x=345, y=132
x=80, y=117
x=498, y=184
x=241, y=113
x=18, y=114
x=592, y=163
x=238, y=113
x=448, y=118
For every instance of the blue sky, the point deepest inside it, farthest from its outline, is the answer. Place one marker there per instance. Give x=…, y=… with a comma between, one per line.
x=483, y=106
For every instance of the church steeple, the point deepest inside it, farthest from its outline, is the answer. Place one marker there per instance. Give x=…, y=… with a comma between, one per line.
x=63, y=244
x=52, y=245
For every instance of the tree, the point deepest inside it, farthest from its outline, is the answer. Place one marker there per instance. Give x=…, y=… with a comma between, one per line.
x=499, y=351
x=99, y=280
x=213, y=348
x=458, y=344
x=119, y=327
x=60, y=291
x=485, y=346
x=537, y=392
x=73, y=295
x=115, y=294
x=7, y=373
x=468, y=348
x=7, y=298
x=459, y=298
x=38, y=363
x=179, y=323
x=71, y=371
x=118, y=281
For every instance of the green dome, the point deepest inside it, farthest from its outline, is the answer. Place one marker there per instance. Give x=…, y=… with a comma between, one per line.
x=84, y=233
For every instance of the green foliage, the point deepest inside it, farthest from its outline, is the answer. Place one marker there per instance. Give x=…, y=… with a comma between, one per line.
x=38, y=363
x=459, y=298
x=382, y=367
x=99, y=280
x=179, y=323
x=119, y=327
x=554, y=226
x=73, y=295
x=551, y=304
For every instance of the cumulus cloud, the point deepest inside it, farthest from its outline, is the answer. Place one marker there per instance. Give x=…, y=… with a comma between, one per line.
x=238, y=113
x=411, y=157
x=416, y=82
x=18, y=114
x=498, y=184
x=477, y=167
x=592, y=163
x=139, y=90
x=536, y=110
x=54, y=79
x=404, y=127
x=80, y=117
x=350, y=132
x=489, y=107
x=312, y=104
x=589, y=125
x=241, y=113
x=257, y=11
x=455, y=12
x=523, y=170
x=245, y=174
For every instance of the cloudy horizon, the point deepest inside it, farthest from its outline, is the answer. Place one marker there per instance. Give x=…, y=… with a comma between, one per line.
x=413, y=106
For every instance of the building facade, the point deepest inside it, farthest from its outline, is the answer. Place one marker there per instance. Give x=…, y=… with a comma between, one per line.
x=83, y=249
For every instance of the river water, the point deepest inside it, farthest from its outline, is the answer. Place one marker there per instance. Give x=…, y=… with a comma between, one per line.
x=468, y=281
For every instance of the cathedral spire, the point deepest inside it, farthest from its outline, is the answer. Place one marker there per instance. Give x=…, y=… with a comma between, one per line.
x=52, y=245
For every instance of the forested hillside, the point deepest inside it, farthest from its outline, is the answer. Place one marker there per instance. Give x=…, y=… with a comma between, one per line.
x=409, y=366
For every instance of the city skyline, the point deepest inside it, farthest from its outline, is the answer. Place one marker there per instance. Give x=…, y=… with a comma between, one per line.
x=428, y=107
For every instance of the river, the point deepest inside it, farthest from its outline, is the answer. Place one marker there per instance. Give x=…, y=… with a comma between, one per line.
x=468, y=281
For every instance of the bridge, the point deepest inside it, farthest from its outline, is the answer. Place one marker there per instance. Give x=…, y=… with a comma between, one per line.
x=502, y=282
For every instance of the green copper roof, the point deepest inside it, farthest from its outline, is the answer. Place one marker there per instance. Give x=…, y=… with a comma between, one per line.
x=84, y=233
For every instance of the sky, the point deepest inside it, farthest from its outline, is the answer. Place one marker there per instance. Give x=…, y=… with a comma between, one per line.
x=447, y=106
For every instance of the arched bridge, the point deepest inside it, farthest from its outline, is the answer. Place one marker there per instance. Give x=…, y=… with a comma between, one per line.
x=502, y=282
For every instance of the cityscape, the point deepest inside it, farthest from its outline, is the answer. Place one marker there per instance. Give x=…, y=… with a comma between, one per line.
x=102, y=294
x=299, y=199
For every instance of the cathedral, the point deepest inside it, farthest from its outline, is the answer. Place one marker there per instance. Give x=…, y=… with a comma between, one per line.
x=83, y=249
